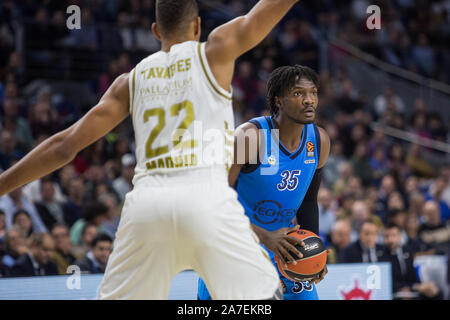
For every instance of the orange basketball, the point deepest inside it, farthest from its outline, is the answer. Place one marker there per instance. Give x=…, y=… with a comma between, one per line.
x=313, y=261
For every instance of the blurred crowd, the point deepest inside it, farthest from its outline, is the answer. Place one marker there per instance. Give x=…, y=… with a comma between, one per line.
x=381, y=198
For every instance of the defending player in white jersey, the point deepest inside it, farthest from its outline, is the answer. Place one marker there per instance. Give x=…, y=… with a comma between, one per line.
x=181, y=214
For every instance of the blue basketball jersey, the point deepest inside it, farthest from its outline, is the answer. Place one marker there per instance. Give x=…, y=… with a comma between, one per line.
x=272, y=190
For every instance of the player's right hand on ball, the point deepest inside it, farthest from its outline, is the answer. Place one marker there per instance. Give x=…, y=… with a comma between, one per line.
x=283, y=245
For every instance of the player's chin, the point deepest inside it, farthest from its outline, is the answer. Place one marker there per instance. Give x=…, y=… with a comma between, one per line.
x=306, y=120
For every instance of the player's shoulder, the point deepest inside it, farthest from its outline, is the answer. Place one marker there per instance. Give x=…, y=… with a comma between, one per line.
x=324, y=137
x=324, y=146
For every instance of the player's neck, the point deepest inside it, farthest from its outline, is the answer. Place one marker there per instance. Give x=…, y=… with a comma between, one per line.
x=290, y=132
x=167, y=43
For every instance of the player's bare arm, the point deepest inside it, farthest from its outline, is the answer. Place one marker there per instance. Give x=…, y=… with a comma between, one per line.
x=276, y=241
x=230, y=40
x=62, y=147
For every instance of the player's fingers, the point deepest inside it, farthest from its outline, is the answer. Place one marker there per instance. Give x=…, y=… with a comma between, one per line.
x=294, y=240
x=286, y=256
x=292, y=249
x=292, y=229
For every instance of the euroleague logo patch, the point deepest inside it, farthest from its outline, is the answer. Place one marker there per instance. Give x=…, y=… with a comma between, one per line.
x=310, y=149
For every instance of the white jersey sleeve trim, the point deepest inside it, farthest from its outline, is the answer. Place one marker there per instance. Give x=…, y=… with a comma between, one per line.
x=212, y=81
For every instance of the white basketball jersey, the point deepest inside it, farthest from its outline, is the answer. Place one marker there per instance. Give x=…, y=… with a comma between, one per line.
x=182, y=118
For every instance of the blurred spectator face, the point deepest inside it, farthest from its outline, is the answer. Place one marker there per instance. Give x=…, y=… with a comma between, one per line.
x=420, y=106
x=412, y=184
x=101, y=251
x=345, y=170
x=358, y=133
x=43, y=253
x=8, y=142
x=354, y=185
x=388, y=184
x=95, y=173
x=324, y=198
x=392, y=238
x=361, y=150
x=16, y=195
x=440, y=184
x=412, y=225
x=10, y=108
x=337, y=148
x=431, y=213
x=340, y=235
x=62, y=239
x=399, y=219
x=47, y=191
x=368, y=235
x=360, y=211
x=89, y=234
x=66, y=174
x=14, y=241
x=396, y=152
x=416, y=202
x=23, y=221
x=379, y=154
x=76, y=189
x=395, y=201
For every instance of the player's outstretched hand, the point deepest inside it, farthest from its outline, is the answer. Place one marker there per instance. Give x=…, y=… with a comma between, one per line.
x=283, y=245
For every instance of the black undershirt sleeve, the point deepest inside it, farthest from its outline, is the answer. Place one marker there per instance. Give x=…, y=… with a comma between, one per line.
x=308, y=213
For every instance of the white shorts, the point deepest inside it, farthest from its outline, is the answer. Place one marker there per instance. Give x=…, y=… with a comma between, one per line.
x=192, y=220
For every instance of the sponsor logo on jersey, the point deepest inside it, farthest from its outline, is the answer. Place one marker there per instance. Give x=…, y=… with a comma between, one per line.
x=269, y=211
x=309, y=161
x=310, y=148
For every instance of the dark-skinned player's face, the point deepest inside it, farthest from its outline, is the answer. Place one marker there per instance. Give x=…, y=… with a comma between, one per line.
x=300, y=102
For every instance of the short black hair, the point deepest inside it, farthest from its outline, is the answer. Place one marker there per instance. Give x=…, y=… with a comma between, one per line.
x=173, y=16
x=391, y=225
x=20, y=211
x=100, y=237
x=93, y=210
x=283, y=78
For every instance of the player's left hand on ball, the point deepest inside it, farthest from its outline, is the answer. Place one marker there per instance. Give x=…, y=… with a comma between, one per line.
x=322, y=274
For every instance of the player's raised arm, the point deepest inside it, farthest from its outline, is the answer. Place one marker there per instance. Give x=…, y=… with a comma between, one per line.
x=62, y=147
x=230, y=40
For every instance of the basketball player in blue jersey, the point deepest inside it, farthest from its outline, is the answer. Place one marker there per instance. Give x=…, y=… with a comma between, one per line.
x=280, y=201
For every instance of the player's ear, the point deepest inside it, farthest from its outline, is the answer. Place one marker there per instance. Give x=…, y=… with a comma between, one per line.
x=198, y=27
x=155, y=31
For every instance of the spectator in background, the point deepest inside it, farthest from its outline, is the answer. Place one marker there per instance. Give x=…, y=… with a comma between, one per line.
x=378, y=164
x=94, y=213
x=22, y=219
x=123, y=184
x=14, y=123
x=435, y=193
x=12, y=202
x=66, y=174
x=416, y=162
x=432, y=231
x=72, y=208
x=9, y=153
x=335, y=160
x=423, y=56
x=97, y=257
x=386, y=188
x=361, y=165
x=63, y=255
x=2, y=232
x=339, y=239
x=327, y=215
x=359, y=215
x=37, y=261
x=402, y=259
x=15, y=246
x=398, y=217
x=89, y=232
x=112, y=217
x=365, y=249
x=388, y=97
x=50, y=210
